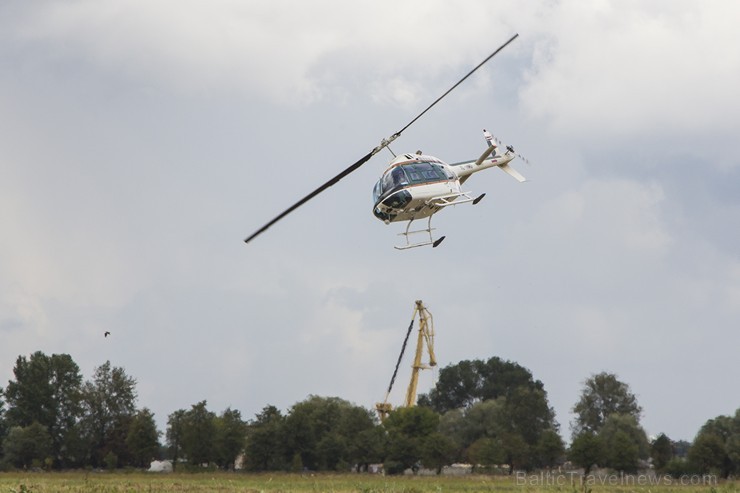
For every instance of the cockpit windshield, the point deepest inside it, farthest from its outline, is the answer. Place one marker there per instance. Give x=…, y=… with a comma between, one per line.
x=409, y=174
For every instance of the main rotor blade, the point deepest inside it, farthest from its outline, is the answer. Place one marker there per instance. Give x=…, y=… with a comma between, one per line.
x=311, y=195
x=384, y=143
x=459, y=82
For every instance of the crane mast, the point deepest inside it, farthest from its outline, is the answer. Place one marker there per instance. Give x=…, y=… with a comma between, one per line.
x=425, y=338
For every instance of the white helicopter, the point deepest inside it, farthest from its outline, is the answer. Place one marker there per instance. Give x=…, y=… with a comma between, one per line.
x=416, y=186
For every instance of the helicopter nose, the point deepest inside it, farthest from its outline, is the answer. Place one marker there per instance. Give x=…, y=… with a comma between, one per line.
x=398, y=200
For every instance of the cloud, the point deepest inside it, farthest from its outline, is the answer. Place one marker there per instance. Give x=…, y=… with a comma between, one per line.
x=614, y=71
x=291, y=52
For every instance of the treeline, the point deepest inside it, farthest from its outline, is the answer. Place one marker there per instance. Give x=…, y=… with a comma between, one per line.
x=492, y=413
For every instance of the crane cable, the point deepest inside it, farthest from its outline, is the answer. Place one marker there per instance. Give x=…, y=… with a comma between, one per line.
x=400, y=356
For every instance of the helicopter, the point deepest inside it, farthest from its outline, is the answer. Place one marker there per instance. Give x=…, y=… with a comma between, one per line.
x=416, y=186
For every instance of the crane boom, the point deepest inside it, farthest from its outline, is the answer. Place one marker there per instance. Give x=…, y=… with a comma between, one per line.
x=426, y=334
x=425, y=337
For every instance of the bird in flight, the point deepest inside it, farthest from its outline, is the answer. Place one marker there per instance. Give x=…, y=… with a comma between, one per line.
x=106, y=334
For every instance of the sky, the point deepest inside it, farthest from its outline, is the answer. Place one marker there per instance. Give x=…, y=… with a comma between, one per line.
x=142, y=141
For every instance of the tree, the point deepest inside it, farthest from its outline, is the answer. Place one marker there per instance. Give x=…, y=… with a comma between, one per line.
x=622, y=453
x=27, y=446
x=707, y=453
x=549, y=449
x=46, y=390
x=717, y=446
x=363, y=439
x=586, y=451
x=174, y=435
x=627, y=425
x=3, y=426
x=661, y=451
x=367, y=447
x=468, y=382
x=109, y=403
x=437, y=451
x=528, y=413
x=486, y=451
x=231, y=434
x=265, y=441
x=142, y=439
x=198, y=432
x=483, y=419
x=603, y=395
x=516, y=451
x=521, y=425
x=408, y=428
x=322, y=430
x=494, y=399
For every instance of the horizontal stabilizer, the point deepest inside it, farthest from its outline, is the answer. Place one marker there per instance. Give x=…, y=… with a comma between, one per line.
x=511, y=171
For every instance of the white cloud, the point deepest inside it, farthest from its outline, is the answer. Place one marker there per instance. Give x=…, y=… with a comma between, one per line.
x=617, y=70
x=290, y=52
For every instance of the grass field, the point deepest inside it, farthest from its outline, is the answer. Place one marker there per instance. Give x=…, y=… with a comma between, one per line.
x=104, y=482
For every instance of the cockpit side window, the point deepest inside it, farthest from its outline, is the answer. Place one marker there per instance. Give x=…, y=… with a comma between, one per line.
x=391, y=180
x=424, y=172
x=410, y=174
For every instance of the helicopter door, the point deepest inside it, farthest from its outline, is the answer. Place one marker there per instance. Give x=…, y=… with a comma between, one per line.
x=454, y=186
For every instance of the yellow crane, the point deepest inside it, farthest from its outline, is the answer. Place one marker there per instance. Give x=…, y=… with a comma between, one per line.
x=425, y=337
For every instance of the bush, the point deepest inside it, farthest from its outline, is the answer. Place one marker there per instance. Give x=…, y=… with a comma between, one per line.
x=677, y=467
x=111, y=461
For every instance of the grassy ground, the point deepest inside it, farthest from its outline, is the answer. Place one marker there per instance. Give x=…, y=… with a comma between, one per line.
x=103, y=482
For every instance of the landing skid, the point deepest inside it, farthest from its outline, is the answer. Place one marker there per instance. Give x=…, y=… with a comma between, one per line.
x=428, y=230
x=436, y=204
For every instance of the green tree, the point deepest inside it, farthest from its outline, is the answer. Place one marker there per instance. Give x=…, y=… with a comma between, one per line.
x=173, y=435
x=367, y=447
x=707, y=453
x=483, y=419
x=231, y=435
x=521, y=425
x=661, y=451
x=549, y=450
x=331, y=452
x=3, y=426
x=486, y=451
x=361, y=436
x=109, y=403
x=615, y=425
x=27, y=446
x=732, y=444
x=142, y=439
x=265, y=441
x=622, y=453
x=528, y=414
x=586, y=451
x=517, y=452
x=46, y=390
x=494, y=399
x=438, y=451
x=322, y=430
x=198, y=433
x=603, y=395
x=468, y=382
x=408, y=428
x=716, y=447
